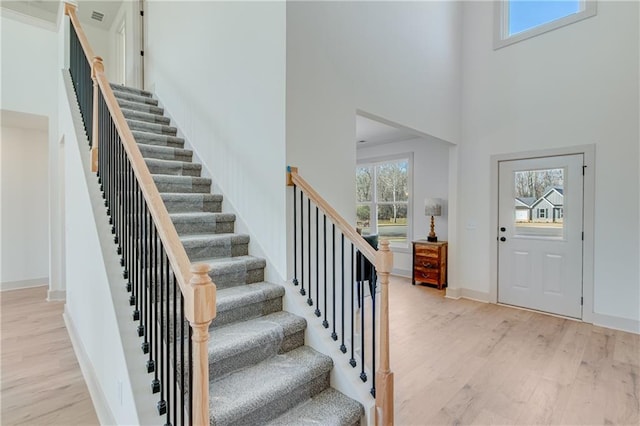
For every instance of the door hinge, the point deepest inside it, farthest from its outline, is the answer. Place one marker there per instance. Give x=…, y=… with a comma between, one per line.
x=142, y=13
x=582, y=301
x=583, y=167
x=142, y=53
x=582, y=235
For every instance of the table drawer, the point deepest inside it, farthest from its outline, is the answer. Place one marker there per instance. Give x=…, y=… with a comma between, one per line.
x=427, y=251
x=428, y=275
x=427, y=262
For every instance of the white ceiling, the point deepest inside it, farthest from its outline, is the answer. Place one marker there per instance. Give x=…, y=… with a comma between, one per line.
x=48, y=10
x=374, y=132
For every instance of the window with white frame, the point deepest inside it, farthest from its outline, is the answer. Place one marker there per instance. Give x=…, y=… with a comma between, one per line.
x=382, y=199
x=517, y=20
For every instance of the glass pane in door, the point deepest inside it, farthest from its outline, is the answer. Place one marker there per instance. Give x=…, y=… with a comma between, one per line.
x=539, y=203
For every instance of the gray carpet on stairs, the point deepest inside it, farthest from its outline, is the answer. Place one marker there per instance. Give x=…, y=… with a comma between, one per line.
x=260, y=369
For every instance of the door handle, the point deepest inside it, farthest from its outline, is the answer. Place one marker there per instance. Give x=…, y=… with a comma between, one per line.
x=503, y=239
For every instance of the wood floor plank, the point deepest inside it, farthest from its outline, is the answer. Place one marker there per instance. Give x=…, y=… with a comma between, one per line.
x=463, y=362
x=41, y=382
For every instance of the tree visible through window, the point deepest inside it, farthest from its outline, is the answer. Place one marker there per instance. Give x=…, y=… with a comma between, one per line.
x=382, y=199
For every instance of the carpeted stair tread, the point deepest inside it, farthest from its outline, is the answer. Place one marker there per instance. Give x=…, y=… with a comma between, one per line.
x=149, y=109
x=121, y=88
x=238, y=345
x=158, y=129
x=132, y=114
x=173, y=167
x=148, y=138
x=245, y=302
x=203, y=222
x=164, y=152
x=177, y=202
x=131, y=97
x=206, y=246
x=229, y=272
x=171, y=183
x=262, y=392
x=329, y=408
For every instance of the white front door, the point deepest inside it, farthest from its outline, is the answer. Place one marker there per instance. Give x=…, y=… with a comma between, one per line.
x=540, y=255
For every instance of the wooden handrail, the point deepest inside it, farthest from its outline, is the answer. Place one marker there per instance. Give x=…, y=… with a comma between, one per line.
x=360, y=243
x=383, y=261
x=197, y=288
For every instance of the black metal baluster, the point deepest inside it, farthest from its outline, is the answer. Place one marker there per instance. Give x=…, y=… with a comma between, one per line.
x=164, y=291
x=175, y=350
x=302, y=243
x=302, y=291
x=343, y=348
x=175, y=357
x=325, y=323
x=295, y=238
x=190, y=344
x=363, y=375
x=143, y=265
x=372, y=287
x=352, y=361
x=317, y=311
x=155, y=385
x=334, y=335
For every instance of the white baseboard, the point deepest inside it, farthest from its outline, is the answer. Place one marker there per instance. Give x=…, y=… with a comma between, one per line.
x=616, y=323
x=465, y=293
x=17, y=285
x=401, y=272
x=56, y=295
x=105, y=416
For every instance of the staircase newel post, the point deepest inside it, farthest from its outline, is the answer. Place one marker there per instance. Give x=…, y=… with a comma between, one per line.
x=384, y=376
x=200, y=311
x=96, y=67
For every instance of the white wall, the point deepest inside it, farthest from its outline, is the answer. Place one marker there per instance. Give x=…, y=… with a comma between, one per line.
x=430, y=180
x=573, y=86
x=396, y=60
x=219, y=69
x=101, y=43
x=25, y=225
x=29, y=84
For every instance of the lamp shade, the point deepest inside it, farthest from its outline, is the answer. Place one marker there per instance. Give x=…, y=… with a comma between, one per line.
x=432, y=207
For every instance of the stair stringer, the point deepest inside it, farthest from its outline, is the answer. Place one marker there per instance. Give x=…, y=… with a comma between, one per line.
x=344, y=378
x=241, y=227
x=125, y=395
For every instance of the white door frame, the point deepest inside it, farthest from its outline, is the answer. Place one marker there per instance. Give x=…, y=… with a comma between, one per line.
x=589, y=152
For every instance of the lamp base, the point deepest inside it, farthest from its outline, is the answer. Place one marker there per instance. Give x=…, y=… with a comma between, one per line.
x=432, y=239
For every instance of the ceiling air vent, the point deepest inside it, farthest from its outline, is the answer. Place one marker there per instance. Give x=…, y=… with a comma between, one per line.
x=98, y=16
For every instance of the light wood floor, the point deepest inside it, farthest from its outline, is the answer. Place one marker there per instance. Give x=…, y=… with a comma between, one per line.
x=456, y=362
x=460, y=362
x=41, y=379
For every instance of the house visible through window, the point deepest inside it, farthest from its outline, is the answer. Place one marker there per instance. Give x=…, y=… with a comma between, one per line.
x=518, y=20
x=382, y=199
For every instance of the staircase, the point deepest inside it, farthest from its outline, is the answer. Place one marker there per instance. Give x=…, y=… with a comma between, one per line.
x=260, y=370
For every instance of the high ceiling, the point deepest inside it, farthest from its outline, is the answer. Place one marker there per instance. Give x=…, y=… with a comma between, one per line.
x=47, y=10
x=374, y=132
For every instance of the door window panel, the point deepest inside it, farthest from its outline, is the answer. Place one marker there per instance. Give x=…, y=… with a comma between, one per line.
x=540, y=203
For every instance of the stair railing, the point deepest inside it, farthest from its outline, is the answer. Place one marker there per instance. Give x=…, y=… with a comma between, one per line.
x=333, y=282
x=166, y=289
